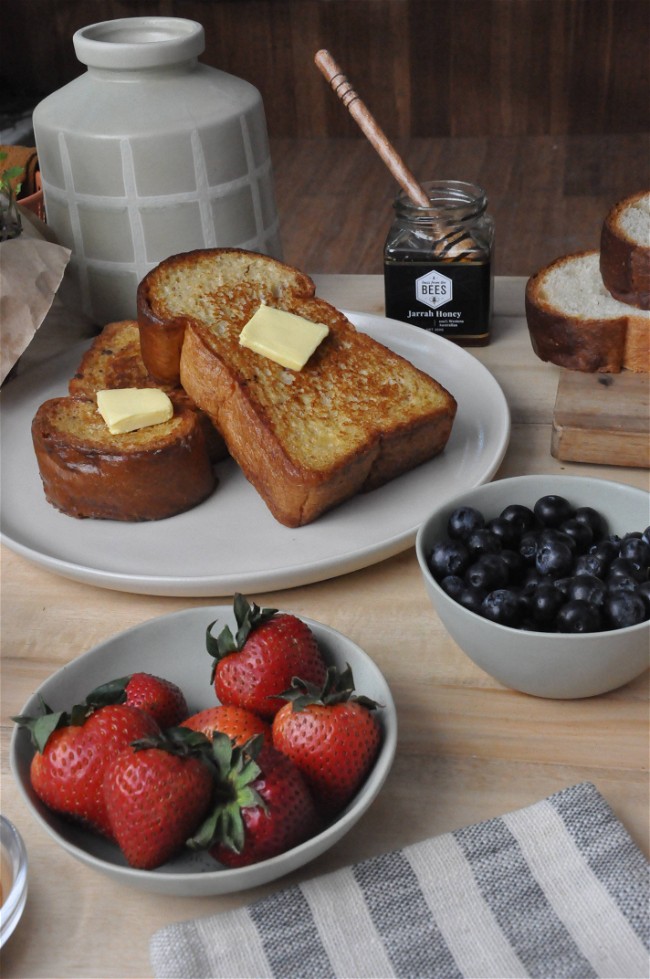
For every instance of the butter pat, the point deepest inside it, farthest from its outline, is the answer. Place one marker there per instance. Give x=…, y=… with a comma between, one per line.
x=283, y=337
x=128, y=409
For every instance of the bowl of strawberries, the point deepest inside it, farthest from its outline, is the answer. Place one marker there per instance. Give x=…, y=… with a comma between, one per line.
x=207, y=751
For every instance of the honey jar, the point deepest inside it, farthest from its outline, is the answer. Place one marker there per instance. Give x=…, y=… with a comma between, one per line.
x=438, y=262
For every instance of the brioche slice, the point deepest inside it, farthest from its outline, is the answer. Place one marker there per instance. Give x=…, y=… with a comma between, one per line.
x=148, y=474
x=114, y=360
x=625, y=250
x=355, y=416
x=161, y=315
x=576, y=323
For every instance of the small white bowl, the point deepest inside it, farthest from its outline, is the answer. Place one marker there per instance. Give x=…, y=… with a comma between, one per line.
x=553, y=665
x=14, y=878
x=173, y=647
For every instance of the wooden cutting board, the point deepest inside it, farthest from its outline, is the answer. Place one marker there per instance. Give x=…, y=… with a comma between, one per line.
x=602, y=418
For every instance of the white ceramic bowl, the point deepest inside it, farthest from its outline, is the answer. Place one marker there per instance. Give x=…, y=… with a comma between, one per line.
x=173, y=646
x=553, y=665
x=14, y=878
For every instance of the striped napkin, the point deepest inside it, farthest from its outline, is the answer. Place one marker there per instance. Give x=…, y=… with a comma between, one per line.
x=555, y=890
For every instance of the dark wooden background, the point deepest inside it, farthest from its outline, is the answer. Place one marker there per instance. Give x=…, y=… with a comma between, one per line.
x=544, y=102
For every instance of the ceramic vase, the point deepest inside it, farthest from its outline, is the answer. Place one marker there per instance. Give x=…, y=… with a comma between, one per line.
x=147, y=154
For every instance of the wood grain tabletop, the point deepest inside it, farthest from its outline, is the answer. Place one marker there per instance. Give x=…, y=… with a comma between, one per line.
x=468, y=748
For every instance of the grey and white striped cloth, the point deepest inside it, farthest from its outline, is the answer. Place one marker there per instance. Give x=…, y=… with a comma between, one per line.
x=555, y=890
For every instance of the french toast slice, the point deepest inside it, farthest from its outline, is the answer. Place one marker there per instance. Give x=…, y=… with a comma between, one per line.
x=356, y=415
x=148, y=474
x=114, y=360
x=161, y=316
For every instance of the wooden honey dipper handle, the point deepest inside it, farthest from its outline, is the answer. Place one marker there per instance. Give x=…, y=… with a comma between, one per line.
x=368, y=125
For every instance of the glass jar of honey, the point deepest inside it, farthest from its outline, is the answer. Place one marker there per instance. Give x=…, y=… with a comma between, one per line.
x=438, y=262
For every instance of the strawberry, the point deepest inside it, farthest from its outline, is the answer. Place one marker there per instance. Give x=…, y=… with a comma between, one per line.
x=160, y=698
x=252, y=668
x=157, y=792
x=238, y=723
x=331, y=735
x=263, y=805
x=73, y=752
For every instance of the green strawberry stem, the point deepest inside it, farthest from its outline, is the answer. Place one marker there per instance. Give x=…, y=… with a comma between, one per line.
x=41, y=727
x=338, y=688
x=248, y=617
x=236, y=770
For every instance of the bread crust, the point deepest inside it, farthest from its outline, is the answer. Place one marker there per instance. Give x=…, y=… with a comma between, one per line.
x=625, y=263
x=590, y=344
x=161, y=338
x=149, y=475
x=114, y=360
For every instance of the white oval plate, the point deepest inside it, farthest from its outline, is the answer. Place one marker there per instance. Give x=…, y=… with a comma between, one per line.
x=173, y=646
x=231, y=542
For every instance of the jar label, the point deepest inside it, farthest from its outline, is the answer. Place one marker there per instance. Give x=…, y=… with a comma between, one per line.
x=452, y=299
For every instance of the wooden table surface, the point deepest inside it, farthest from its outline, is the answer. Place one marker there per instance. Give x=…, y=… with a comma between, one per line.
x=468, y=748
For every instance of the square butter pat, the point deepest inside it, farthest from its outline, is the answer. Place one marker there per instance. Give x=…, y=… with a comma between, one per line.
x=283, y=337
x=128, y=409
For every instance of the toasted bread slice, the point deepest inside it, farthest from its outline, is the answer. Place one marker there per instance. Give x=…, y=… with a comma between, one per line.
x=148, y=474
x=356, y=416
x=576, y=323
x=625, y=250
x=162, y=318
x=114, y=360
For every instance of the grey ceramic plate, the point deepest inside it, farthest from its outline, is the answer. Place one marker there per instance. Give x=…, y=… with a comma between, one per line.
x=231, y=542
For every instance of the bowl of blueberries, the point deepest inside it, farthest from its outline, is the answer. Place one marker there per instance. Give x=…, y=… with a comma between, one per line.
x=544, y=581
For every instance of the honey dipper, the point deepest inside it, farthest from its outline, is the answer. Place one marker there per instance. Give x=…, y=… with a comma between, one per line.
x=370, y=128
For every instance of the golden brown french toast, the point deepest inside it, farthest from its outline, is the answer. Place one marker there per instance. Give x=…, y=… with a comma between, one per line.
x=114, y=360
x=148, y=474
x=355, y=416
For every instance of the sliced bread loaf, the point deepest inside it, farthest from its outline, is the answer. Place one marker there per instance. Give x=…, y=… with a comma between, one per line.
x=114, y=360
x=625, y=250
x=148, y=474
x=354, y=417
x=576, y=323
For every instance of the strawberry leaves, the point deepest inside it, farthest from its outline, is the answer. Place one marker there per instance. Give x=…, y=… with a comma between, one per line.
x=236, y=770
x=248, y=617
x=338, y=688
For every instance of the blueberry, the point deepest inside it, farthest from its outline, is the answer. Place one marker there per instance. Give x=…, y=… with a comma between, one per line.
x=586, y=588
x=488, y=572
x=591, y=563
x=578, y=616
x=552, y=534
x=580, y=533
x=483, y=541
x=514, y=563
x=621, y=582
x=453, y=584
x=448, y=557
x=624, y=609
x=521, y=517
x=504, y=530
x=636, y=550
x=552, y=510
x=554, y=558
x=646, y=535
x=545, y=603
x=528, y=546
x=606, y=550
x=593, y=519
x=463, y=520
x=502, y=606
x=644, y=593
x=472, y=598
x=622, y=566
